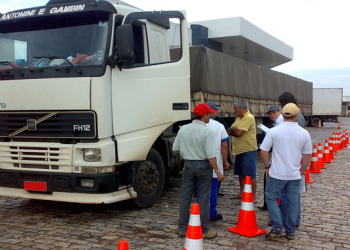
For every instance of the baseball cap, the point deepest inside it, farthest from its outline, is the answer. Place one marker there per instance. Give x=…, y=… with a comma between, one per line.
x=213, y=105
x=273, y=108
x=202, y=109
x=290, y=110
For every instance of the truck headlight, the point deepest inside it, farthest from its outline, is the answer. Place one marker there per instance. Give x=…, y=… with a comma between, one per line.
x=92, y=154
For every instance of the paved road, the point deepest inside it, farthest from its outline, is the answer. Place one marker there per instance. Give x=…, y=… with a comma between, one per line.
x=31, y=224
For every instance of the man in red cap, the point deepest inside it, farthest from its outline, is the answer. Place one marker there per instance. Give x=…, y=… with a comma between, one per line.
x=196, y=143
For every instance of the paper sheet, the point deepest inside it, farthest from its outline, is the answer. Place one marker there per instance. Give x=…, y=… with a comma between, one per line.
x=263, y=127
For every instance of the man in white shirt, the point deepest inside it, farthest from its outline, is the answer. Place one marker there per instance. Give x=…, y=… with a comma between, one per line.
x=221, y=139
x=290, y=143
x=275, y=115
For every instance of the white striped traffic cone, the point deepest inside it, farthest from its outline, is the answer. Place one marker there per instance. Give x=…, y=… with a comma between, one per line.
x=326, y=153
x=320, y=156
x=335, y=142
x=194, y=235
x=331, y=148
x=247, y=225
x=340, y=145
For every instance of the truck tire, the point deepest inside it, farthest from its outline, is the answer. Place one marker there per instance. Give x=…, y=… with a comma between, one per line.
x=315, y=121
x=307, y=122
x=149, y=180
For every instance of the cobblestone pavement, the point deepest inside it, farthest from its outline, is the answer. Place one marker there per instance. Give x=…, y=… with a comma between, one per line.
x=32, y=224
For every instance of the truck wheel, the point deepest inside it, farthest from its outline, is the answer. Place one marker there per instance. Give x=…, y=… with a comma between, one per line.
x=149, y=179
x=315, y=121
x=307, y=122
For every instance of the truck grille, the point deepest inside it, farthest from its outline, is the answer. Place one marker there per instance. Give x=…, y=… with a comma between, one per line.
x=35, y=157
x=48, y=125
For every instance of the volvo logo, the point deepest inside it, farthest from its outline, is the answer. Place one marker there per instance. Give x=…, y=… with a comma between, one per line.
x=3, y=105
x=31, y=124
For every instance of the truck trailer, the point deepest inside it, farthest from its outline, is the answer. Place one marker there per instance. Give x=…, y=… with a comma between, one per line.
x=327, y=105
x=94, y=92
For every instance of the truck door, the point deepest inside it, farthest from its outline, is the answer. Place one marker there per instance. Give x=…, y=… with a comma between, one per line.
x=151, y=91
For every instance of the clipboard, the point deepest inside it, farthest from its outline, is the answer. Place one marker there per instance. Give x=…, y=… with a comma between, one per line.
x=263, y=127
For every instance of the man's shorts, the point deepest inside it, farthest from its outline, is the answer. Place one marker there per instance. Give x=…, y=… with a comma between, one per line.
x=245, y=164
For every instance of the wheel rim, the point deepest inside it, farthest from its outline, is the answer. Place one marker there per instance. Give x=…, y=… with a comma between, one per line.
x=147, y=177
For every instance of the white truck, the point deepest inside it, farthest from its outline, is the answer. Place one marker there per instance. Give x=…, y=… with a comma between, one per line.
x=88, y=93
x=93, y=94
x=327, y=105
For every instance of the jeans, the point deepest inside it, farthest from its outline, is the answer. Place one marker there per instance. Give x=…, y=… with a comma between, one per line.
x=283, y=208
x=214, y=198
x=202, y=173
x=274, y=189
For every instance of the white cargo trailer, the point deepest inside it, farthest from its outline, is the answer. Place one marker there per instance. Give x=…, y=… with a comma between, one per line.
x=327, y=103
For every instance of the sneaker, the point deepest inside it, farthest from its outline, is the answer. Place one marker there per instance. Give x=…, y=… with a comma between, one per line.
x=218, y=217
x=289, y=237
x=181, y=234
x=275, y=234
x=297, y=227
x=210, y=234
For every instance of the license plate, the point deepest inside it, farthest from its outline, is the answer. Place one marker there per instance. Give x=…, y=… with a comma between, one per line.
x=35, y=186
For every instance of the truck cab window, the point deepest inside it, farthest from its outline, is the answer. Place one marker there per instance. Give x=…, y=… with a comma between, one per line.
x=155, y=42
x=139, y=54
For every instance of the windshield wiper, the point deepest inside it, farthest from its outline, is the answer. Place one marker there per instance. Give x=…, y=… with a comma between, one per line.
x=14, y=67
x=59, y=57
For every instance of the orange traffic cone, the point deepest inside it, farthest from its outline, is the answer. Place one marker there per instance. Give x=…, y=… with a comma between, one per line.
x=340, y=140
x=247, y=225
x=307, y=177
x=331, y=148
x=343, y=140
x=194, y=235
x=346, y=136
x=326, y=153
x=314, y=165
x=123, y=245
x=320, y=156
x=335, y=143
x=340, y=145
x=339, y=125
x=319, y=124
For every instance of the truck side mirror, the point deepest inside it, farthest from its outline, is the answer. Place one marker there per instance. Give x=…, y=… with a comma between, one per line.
x=125, y=43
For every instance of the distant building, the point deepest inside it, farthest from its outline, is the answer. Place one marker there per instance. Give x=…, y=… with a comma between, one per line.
x=237, y=37
x=345, y=109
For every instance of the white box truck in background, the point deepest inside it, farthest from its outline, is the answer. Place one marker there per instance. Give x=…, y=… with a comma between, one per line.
x=327, y=104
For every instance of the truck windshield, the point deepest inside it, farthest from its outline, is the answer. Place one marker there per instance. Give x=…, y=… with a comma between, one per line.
x=62, y=40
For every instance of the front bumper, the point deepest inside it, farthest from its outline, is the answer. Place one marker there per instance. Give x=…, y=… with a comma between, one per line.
x=121, y=195
x=65, y=187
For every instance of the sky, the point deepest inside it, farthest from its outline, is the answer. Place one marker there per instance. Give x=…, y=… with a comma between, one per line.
x=318, y=30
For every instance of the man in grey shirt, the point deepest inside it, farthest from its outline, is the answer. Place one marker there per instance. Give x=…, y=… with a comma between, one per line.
x=196, y=143
x=288, y=97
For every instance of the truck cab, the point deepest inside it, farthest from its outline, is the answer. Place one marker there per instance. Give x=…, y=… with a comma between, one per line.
x=90, y=91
